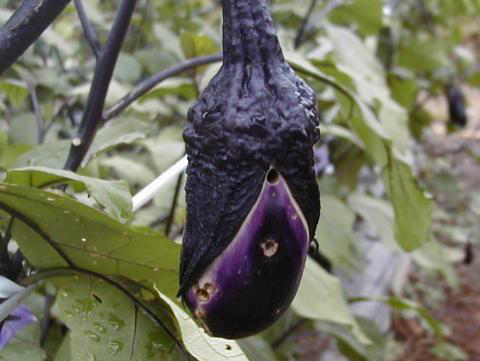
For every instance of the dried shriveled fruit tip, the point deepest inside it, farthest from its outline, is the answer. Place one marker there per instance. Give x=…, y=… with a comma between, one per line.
x=252, y=196
x=249, y=285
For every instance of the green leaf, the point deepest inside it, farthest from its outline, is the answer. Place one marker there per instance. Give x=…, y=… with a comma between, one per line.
x=53, y=230
x=173, y=86
x=106, y=325
x=354, y=350
x=128, y=68
x=63, y=352
x=257, y=349
x=402, y=304
x=52, y=154
x=335, y=234
x=112, y=196
x=412, y=207
x=124, y=130
x=196, y=45
x=448, y=351
x=341, y=132
x=23, y=129
x=199, y=344
x=378, y=213
x=359, y=62
x=433, y=255
x=133, y=171
x=320, y=298
x=422, y=54
x=15, y=90
x=365, y=14
x=166, y=148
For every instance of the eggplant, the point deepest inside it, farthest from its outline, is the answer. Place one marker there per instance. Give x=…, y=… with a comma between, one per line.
x=457, y=107
x=252, y=198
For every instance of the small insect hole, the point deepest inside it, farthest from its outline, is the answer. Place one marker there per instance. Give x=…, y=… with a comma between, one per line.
x=210, y=288
x=202, y=295
x=272, y=176
x=269, y=247
x=228, y=347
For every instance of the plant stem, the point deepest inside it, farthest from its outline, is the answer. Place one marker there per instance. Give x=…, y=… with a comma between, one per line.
x=101, y=80
x=150, y=82
x=173, y=207
x=24, y=27
x=38, y=113
x=88, y=30
x=301, y=30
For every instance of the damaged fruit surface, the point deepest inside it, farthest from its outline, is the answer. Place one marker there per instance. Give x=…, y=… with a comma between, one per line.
x=252, y=197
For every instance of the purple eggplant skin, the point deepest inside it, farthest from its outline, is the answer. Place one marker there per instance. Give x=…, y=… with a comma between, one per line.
x=243, y=290
x=254, y=116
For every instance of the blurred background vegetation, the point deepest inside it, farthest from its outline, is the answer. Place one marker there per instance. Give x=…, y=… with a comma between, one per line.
x=397, y=87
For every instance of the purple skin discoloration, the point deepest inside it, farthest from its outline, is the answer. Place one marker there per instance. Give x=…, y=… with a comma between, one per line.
x=253, y=281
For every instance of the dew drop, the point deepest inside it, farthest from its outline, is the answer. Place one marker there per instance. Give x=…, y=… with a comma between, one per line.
x=84, y=240
x=92, y=336
x=115, y=322
x=76, y=142
x=114, y=347
x=99, y=328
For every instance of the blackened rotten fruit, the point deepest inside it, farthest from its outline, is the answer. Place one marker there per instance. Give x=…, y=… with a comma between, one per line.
x=252, y=197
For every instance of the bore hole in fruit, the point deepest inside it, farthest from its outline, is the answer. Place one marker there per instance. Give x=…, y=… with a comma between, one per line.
x=202, y=295
x=269, y=247
x=272, y=176
x=210, y=288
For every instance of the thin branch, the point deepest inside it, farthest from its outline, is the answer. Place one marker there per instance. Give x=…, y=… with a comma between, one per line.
x=88, y=30
x=101, y=81
x=150, y=82
x=173, y=207
x=332, y=5
x=303, y=25
x=38, y=112
x=24, y=27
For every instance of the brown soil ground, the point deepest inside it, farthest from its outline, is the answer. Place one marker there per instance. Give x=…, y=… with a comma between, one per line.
x=460, y=309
